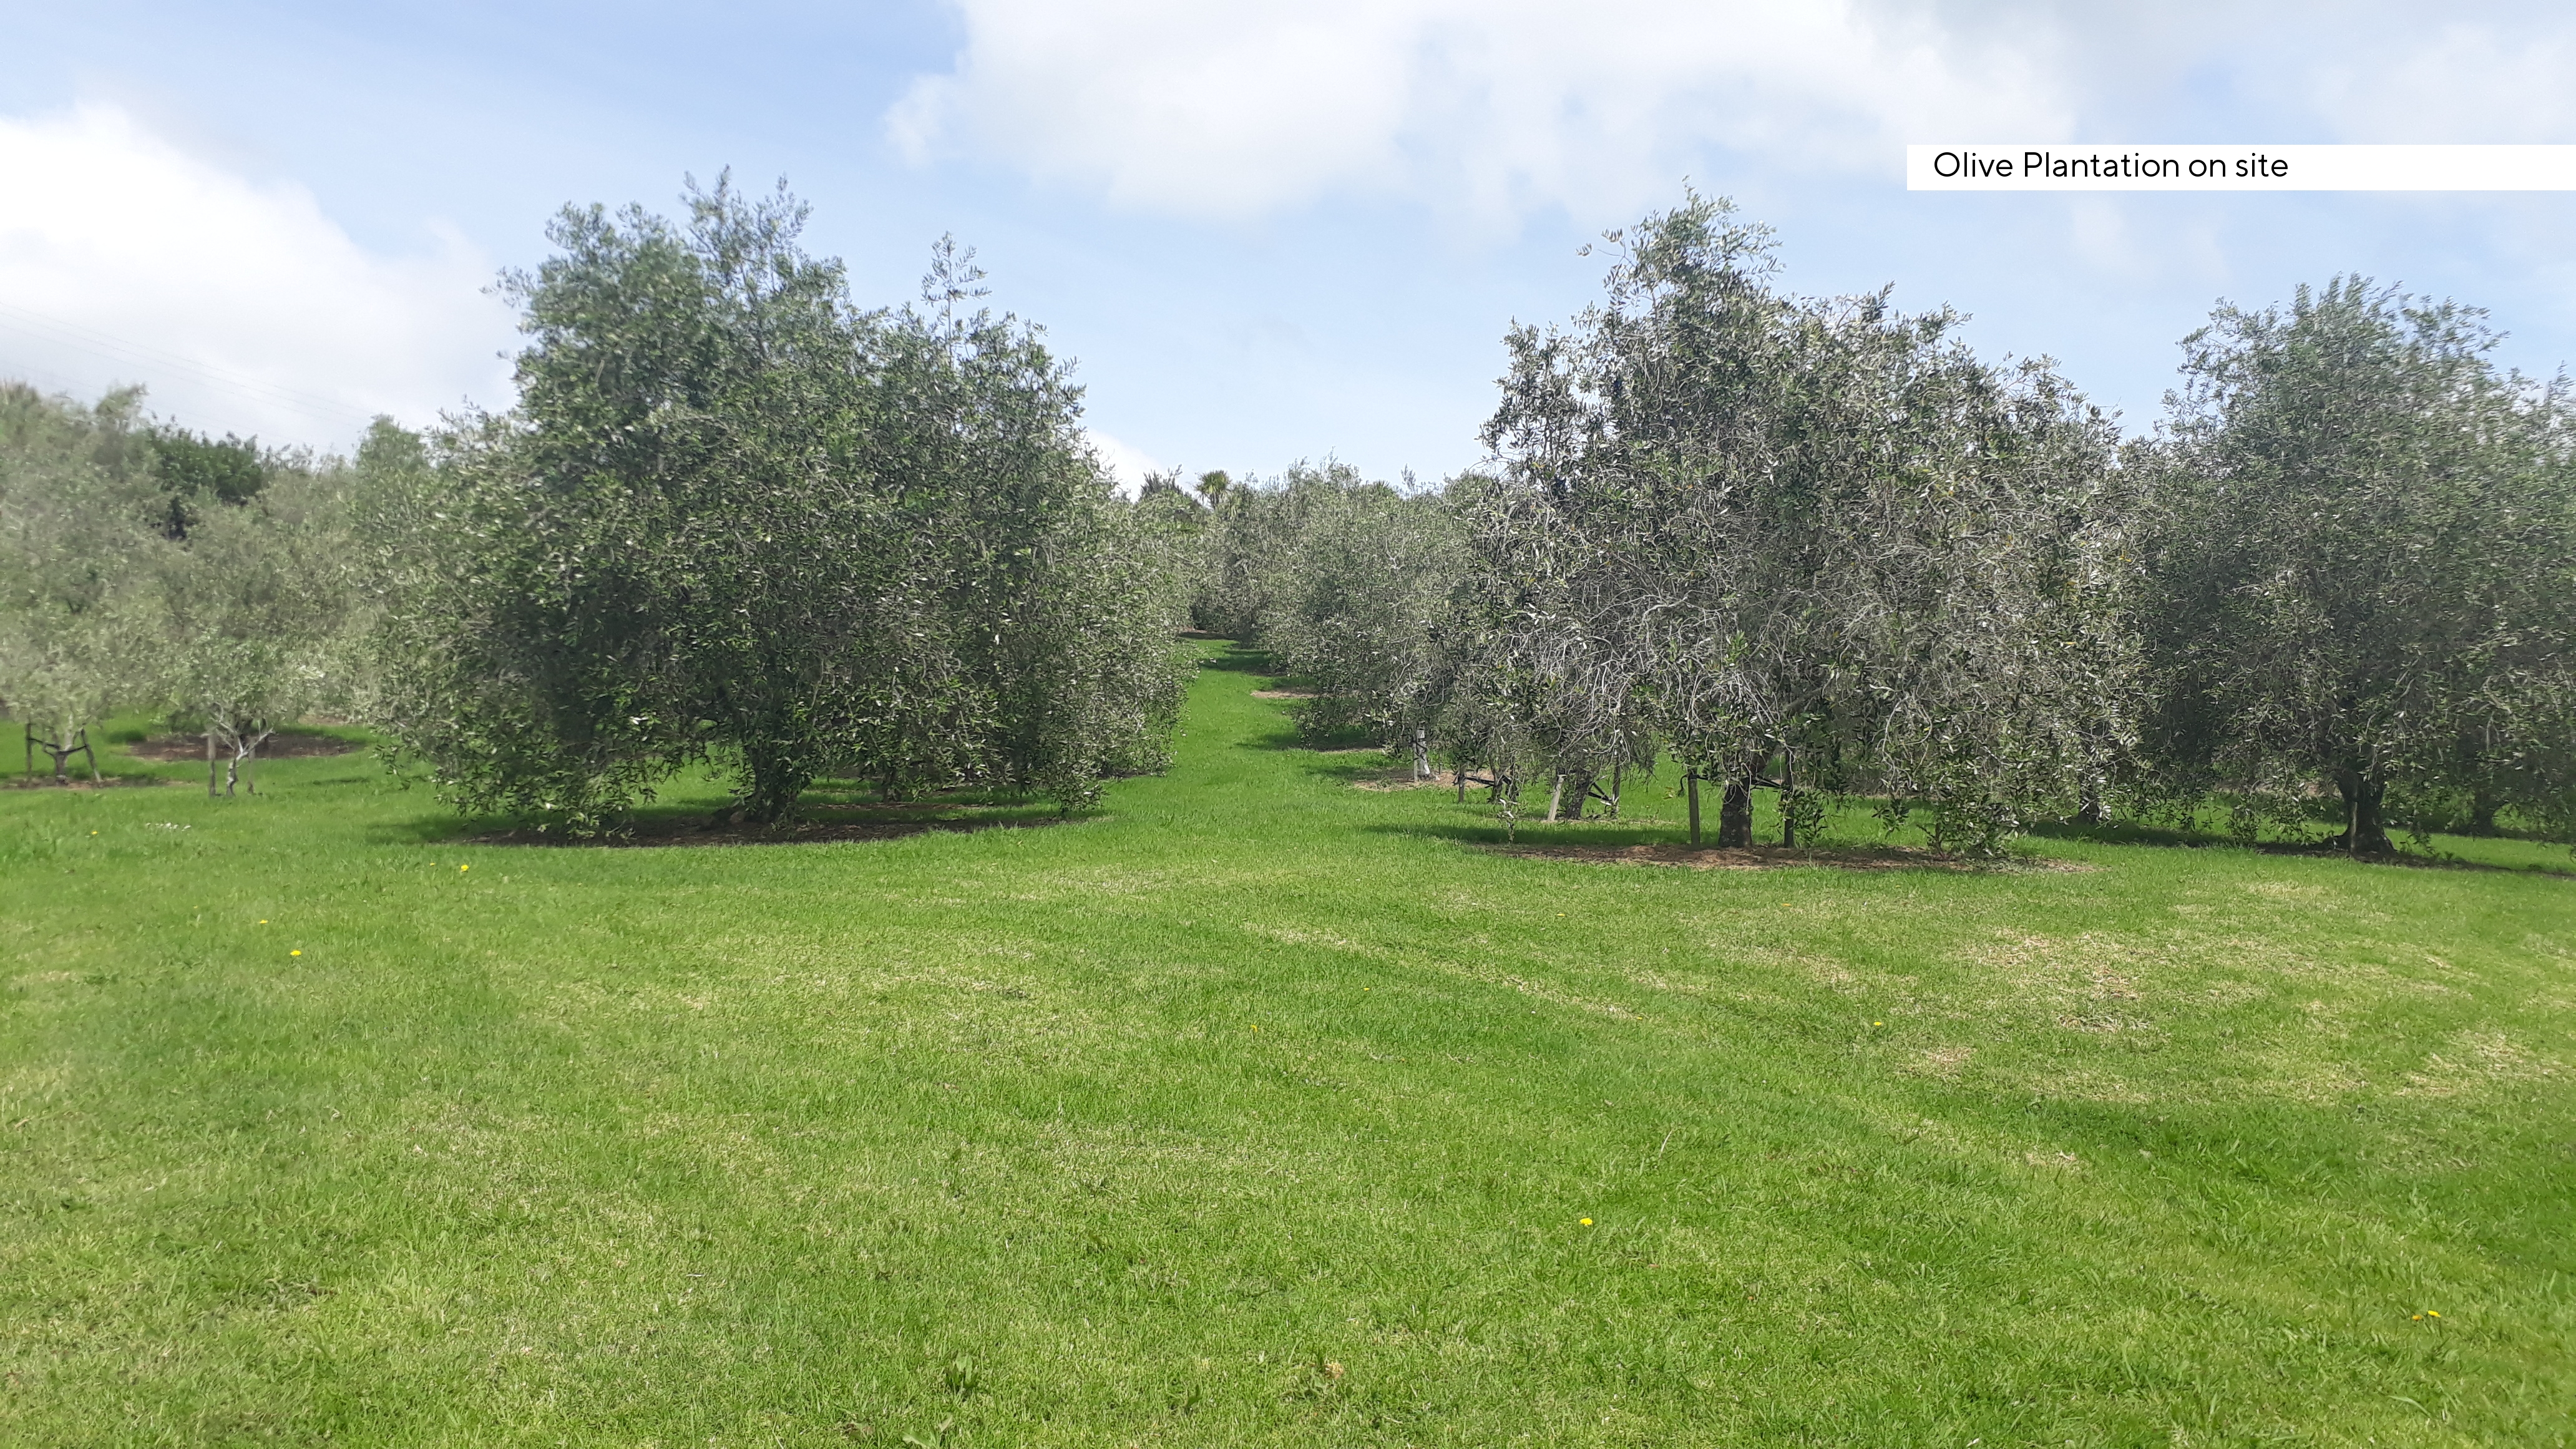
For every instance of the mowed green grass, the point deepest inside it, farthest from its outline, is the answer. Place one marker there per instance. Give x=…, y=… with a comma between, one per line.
x=1261, y=1109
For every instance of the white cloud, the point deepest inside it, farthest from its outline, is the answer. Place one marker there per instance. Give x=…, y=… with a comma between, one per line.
x=2116, y=237
x=2491, y=83
x=1497, y=105
x=1127, y=464
x=1491, y=108
x=241, y=305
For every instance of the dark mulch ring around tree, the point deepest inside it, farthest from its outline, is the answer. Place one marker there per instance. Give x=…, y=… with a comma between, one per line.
x=44, y=779
x=284, y=745
x=682, y=830
x=1780, y=857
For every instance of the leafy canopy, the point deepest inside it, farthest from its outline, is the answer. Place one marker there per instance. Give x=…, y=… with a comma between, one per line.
x=737, y=519
x=2363, y=569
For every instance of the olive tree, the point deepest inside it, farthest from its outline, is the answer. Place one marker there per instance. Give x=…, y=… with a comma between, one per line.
x=1541, y=678
x=1357, y=596
x=2362, y=555
x=735, y=518
x=1808, y=544
x=78, y=509
x=1250, y=544
x=256, y=617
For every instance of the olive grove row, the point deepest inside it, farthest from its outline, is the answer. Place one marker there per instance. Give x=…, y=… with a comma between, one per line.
x=733, y=521
x=1817, y=547
x=1811, y=547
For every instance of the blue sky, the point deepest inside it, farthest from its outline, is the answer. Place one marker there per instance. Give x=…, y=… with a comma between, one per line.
x=1266, y=231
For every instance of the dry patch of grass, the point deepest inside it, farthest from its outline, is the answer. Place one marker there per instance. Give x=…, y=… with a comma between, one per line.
x=2475, y=1060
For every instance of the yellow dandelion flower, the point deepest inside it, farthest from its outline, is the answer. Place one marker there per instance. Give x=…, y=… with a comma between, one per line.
x=1878, y=1023
x=2432, y=1313
x=294, y=953
x=465, y=867
x=1587, y=1222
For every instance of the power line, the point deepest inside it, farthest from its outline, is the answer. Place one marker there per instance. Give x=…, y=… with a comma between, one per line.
x=121, y=350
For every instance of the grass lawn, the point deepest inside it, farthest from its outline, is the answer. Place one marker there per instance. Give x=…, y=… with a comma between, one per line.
x=1262, y=1109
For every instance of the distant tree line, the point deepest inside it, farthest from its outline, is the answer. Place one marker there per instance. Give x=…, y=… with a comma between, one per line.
x=1808, y=548
x=145, y=566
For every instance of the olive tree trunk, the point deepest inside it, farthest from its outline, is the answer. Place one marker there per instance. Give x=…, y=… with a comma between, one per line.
x=1735, y=814
x=2365, y=830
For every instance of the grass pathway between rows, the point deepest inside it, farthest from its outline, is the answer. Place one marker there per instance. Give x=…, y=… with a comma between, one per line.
x=1260, y=1110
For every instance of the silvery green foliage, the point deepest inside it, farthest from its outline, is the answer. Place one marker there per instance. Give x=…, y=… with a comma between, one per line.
x=398, y=504
x=1381, y=602
x=257, y=614
x=78, y=514
x=2363, y=570
x=736, y=519
x=130, y=586
x=1356, y=597
x=1541, y=677
x=1250, y=544
x=1786, y=533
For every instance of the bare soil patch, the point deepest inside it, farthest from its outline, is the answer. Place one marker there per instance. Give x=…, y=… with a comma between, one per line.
x=43, y=779
x=1283, y=694
x=1402, y=778
x=1779, y=857
x=284, y=745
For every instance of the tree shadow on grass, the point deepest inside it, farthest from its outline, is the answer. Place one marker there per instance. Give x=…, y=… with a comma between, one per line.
x=107, y=780
x=1291, y=693
x=1236, y=659
x=2168, y=837
x=1611, y=843
x=1359, y=762
x=821, y=823
x=1350, y=743
x=1289, y=733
